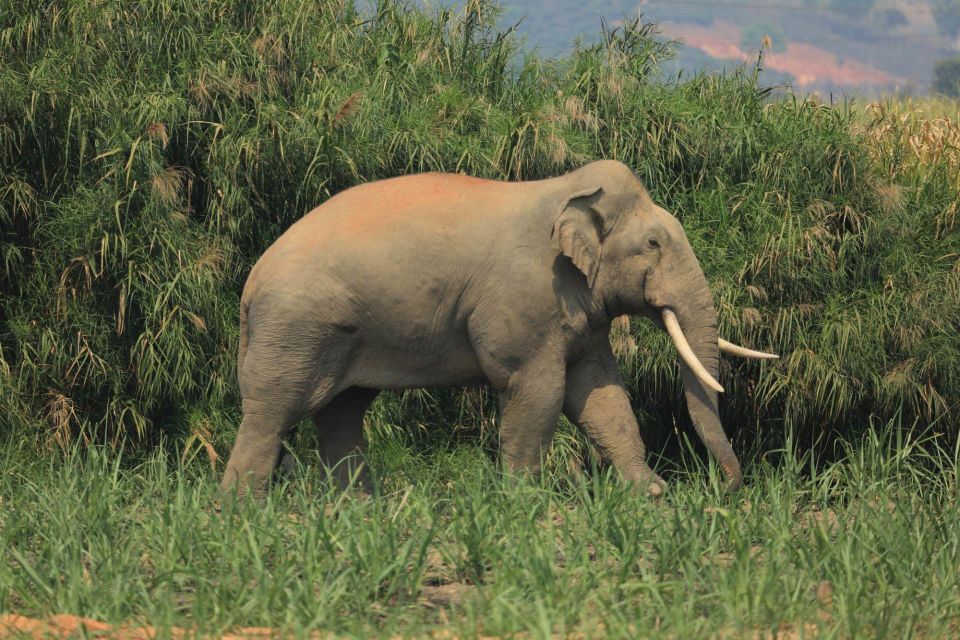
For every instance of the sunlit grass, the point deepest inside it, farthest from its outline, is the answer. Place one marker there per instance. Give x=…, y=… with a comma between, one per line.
x=863, y=547
x=919, y=137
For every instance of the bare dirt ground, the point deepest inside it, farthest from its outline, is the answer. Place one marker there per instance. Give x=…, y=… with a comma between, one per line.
x=806, y=63
x=65, y=626
x=68, y=626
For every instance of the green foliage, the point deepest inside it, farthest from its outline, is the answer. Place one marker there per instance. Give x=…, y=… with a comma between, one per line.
x=149, y=152
x=863, y=548
x=946, y=77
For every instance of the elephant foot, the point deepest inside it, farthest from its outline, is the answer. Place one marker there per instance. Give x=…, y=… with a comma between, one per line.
x=235, y=495
x=648, y=480
x=656, y=486
x=348, y=475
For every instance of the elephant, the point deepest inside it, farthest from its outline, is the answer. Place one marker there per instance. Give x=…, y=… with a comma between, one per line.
x=441, y=279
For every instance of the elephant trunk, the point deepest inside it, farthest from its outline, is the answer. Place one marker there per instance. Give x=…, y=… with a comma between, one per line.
x=697, y=321
x=705, y=415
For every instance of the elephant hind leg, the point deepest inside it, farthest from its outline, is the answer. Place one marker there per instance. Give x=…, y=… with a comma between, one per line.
x=288, y=393
x=257, y=449
x=338, y=428
x=293, y=367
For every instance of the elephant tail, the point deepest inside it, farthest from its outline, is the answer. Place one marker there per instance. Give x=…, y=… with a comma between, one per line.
x=242, y=353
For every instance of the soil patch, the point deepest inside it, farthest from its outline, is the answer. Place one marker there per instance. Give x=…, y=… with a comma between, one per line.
x=68, y=626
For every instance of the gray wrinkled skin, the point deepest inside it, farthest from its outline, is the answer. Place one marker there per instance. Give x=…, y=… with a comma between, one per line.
x=447, y=280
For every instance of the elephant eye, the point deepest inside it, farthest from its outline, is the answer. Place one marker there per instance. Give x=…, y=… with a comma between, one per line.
x=653, y=243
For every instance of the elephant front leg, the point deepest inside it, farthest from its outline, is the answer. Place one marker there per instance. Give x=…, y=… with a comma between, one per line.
x=597, y=402
x=530, y=406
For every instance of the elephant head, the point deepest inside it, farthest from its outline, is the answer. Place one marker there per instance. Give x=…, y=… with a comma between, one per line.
x=637, y=260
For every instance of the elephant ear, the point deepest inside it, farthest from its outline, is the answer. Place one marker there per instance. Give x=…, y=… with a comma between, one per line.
x=576, y=233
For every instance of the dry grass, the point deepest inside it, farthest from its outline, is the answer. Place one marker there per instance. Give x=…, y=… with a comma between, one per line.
x=926, y=131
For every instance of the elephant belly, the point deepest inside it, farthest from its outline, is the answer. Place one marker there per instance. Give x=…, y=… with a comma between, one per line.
x=382, y=366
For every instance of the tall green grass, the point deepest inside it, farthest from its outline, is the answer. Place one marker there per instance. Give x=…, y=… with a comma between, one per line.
x=149, y=152
x=866, y=547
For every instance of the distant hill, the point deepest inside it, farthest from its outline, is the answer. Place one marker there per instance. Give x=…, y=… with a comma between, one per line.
x=863, y=47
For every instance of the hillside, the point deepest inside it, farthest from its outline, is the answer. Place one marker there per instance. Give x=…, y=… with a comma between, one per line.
x=864, y=47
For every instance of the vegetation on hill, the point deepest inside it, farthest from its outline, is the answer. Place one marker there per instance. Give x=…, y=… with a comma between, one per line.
x=150, y=152
x=946, y=77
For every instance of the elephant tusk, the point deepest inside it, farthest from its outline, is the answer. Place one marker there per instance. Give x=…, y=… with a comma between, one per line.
x=743, y=352
x=686, y=353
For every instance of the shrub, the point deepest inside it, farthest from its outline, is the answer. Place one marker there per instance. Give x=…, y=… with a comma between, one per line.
x=946, y=77
x=149, y=152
